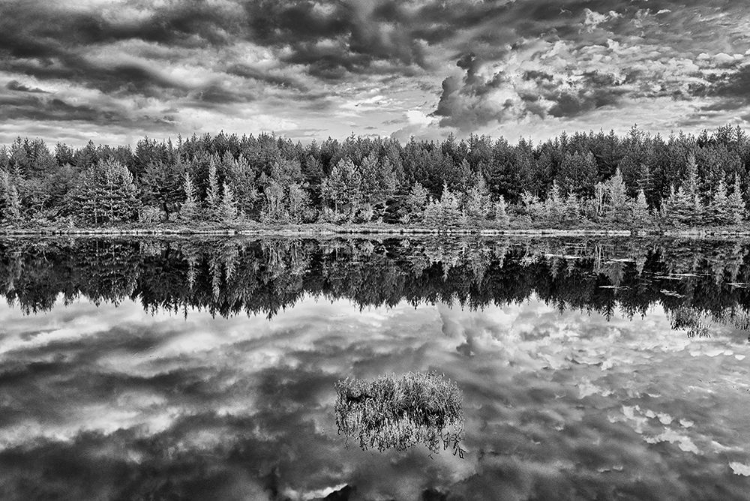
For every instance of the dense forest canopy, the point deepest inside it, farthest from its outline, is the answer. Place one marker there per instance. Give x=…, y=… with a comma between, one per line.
x=637, y=180
x=696, y=282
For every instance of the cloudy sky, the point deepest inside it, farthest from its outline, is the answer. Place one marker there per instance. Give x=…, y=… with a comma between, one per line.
x=115, y=70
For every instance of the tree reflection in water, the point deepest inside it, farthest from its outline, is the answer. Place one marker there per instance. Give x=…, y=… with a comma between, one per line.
x=398, y=413
x=697, y=282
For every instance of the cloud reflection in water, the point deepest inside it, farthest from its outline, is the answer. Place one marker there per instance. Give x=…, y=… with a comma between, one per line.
x=113, y=402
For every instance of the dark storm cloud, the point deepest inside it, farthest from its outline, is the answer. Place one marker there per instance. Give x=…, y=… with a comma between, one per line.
x=117, y=78
x=733, y=86
x=251, y=73
x=44, y=109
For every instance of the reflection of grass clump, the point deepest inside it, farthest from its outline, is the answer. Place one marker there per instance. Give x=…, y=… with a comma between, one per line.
x=398, y=413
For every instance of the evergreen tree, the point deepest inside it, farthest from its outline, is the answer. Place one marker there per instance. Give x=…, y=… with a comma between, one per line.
x=600, y=193
x=343, y=188
x=274, y=207
x=298, y=205
x=554, y=206
x=477, y=205
x=161, y=185
x=571, y=211
x=737, y=203
x=719, y=211
x=119, y=195
x=445, y=212
x=577, y=174
x=501, y=212
x=616, y=192
x=378, y=180
x=213, y=196
x=536, y=209
x=415, y=203
x=243, y=180
x=228, y=207
x=12, y=210
x=189, y=211
x=640, y=209
x=104, y=193
x=83, y=201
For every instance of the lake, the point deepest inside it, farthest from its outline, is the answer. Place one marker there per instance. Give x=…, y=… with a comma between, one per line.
x=206, y=368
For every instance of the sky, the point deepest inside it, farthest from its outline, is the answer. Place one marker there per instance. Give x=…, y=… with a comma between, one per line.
x=114, y=71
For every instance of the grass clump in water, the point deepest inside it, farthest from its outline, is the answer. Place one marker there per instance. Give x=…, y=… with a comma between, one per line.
x=398, y=413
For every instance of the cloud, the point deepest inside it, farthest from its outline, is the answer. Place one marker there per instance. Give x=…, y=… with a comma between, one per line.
x=552, y=71
x=17, y=86
x=499, y=62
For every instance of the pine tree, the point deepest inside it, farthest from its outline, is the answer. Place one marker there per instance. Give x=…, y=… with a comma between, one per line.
x=161, y=184
x=477, y=204
x=737, y=203
x=189, y=209
x=104, y=192
x=451, y=212
x=554, y=205
x=571, y=208
x=501, y=212
x=12, y=211
x=719, y=212
x=119, y=195
x=600, y=192
x=298, y=204
x=83, y=201
x=640, y=209
x=343, y=187
x=228, y=206
x=535, y=208
x=615, y=187
x=415, y=204
x=213, y=196
x=242, y=178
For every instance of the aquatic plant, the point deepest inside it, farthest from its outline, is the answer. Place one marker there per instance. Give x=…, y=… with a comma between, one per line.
x=398, y=413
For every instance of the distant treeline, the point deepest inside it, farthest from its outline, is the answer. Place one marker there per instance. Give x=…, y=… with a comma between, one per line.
x=697, y=282
x=636, y=180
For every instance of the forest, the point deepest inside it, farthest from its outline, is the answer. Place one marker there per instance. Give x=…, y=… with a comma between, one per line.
x=698, y=283
x=636, y=180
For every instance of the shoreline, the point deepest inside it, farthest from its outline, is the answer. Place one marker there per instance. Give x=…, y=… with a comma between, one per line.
x=391, y=231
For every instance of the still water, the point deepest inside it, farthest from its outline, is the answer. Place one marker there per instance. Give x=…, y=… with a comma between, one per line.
x=190, y=369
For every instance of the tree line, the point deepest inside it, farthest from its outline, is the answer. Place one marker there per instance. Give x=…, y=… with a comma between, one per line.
x=633, y=180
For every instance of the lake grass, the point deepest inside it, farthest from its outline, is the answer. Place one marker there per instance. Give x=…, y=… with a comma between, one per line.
x=393, y=412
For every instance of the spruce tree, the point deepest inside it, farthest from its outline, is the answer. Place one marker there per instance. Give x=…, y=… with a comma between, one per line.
x=477, y=204
x=736, y=203
x=719, y=212
x=119, y=195
x=12, y=210
x=640, y=209
x=572, y=208
x=189, y=209
x=228, y=206
x=450, y=210
x=615, y=188
x=554, y=205
x=213, y=196
x=415, y=204
x=501, y=212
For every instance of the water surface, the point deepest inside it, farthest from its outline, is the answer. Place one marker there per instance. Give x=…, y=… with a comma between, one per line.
x=184, y=369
